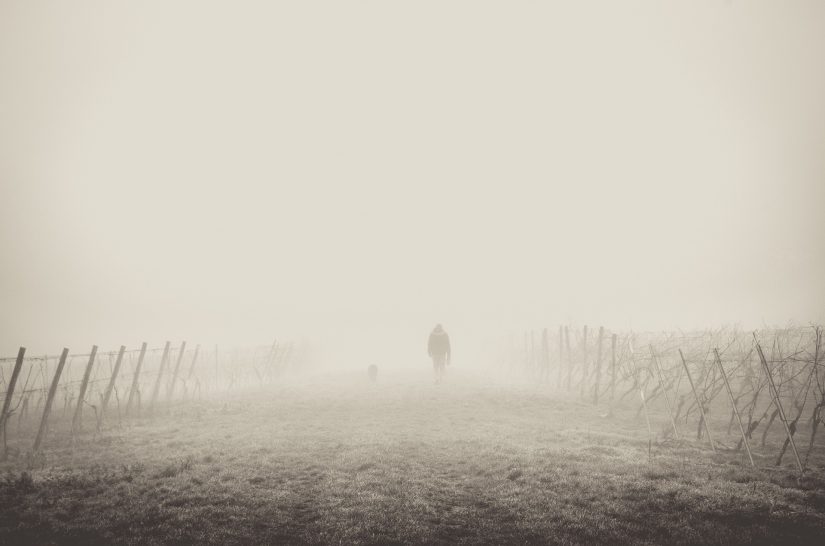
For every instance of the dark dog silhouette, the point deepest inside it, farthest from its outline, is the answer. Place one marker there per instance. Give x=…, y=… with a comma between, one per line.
x=372, y=371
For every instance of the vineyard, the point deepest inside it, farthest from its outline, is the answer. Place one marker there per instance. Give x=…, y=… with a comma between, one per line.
x=748, y=383
x=64, y=392
x=578, y=436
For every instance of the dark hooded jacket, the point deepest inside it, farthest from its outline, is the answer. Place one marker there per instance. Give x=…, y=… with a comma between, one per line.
x=439, y=343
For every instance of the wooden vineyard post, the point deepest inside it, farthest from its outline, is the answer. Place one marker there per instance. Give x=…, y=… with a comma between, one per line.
x=698, y=401
x=585, y=365
x=775, y=394
x=545, y=355
x=569, y=357
x=194, y=359
x=644, y=402
x=816, y=418
x=526, y=359
x=44, y=421
x=598, y=379
x=171, y=389
x=135, y=378
x=664, y=391
x=18, y=365
x=561, y=356
x=270, y=359
x=612, y=369
x=112, y=380
x=733, y=403
x=163, y=360
x=78, y=412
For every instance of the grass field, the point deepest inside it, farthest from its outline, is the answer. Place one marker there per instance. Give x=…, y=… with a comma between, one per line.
x=334, y=459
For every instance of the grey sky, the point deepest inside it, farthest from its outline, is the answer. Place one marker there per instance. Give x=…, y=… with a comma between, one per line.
x=227, y=172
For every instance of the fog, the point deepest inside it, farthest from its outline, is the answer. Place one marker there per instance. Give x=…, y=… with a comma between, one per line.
x=353, y=173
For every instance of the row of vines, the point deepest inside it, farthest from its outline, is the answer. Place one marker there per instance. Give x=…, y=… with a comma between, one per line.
x=726, y=387
x=69, y=391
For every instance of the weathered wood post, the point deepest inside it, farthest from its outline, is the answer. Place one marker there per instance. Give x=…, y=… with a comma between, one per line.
x=526, y=360
x=733, y=403
x=112, y=381
x=775, y=394
x=545, y=355
x=641, y=387
x=217, y=366
x=4, y=416
x=171, y=389
x=44, y=388
x=569, y=357
x=816, y=416
x=698, y=400
x=561, y=356
x=163, y=360
x=585, y=364
x=81, y=395
x=194, y=359
x=135, y=379
x=664, y=390
x=598, y=366
x=612, y=369
x=269, y=359
x=44, y=421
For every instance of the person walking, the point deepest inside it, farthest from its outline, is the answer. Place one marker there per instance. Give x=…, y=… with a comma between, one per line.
x=438, y=347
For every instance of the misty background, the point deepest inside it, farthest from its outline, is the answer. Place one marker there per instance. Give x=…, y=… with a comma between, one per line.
x=353, y=173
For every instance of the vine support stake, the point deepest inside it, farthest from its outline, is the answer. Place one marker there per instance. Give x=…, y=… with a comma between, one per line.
x=44, y=421
x=112, y=381
x=775, y=394
x=733, y=403
x=134, y=389
x=698, y=401
x=78, y=412
x=18, y=364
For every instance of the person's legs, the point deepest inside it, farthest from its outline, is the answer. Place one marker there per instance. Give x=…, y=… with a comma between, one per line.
x=438, y=367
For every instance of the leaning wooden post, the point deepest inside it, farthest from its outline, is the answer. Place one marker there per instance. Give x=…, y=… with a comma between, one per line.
x=194, y=359
x=545, y=354
x=163, y=359
x=585, y=366
x=18, y=365
x=733, y=403
x=598, y=366
x=526, y=360
x=112, y=381
x=217, y=366
x=612, y=368
x=775, y=393
x=664, y=390
x=561, y=356
x=269, y=359
x=78, y=412
x=698, y=402
x=569, y=357
x=642, y=395
x=135, y=378
x=171, y=389
x=44, y=421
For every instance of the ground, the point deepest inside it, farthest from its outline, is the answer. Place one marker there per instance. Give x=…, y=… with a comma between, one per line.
x=337, y=459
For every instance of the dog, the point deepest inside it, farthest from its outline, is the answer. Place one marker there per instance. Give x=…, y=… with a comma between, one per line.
x=372, y=372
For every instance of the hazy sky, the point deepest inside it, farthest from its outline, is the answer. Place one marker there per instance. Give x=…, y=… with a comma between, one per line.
x=233, y=171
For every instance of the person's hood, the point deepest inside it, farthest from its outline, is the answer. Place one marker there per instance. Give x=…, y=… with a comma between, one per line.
x=439, y=332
